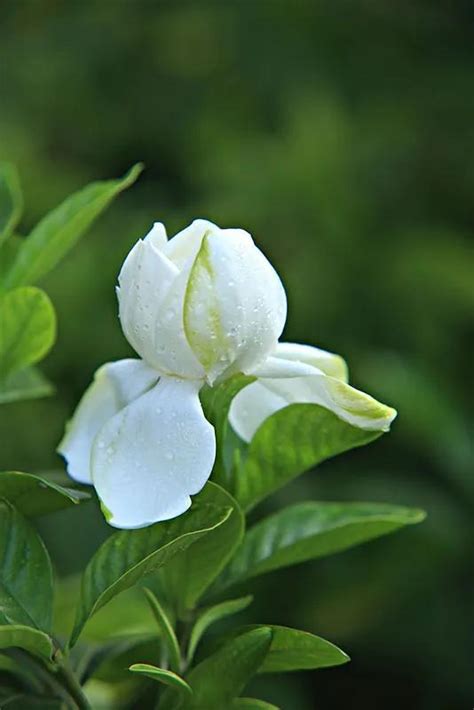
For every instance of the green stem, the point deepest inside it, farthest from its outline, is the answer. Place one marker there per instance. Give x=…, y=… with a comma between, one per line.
x=71, y=684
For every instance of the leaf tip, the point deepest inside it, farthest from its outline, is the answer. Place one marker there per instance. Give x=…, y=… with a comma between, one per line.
x=132, y=174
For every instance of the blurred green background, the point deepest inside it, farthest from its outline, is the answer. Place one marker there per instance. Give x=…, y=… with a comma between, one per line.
x=341, y=134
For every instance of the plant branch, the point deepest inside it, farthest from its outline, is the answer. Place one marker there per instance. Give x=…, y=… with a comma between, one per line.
x=71, y=683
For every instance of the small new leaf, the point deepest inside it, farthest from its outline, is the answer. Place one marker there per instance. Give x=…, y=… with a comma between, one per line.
x=162, y=676
x=209, y=616
x=167, y=632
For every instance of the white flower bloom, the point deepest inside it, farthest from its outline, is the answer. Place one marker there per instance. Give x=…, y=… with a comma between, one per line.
x=198, y=308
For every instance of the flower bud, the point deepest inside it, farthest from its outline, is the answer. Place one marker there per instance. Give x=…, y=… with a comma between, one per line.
x=206, y=304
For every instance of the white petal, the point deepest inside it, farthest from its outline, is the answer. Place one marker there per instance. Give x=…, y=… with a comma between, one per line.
x=183, y=248
x=157, y=236
x=235, y=305
x=329, y=363
x=114, y=386
x=151, y=295
x=276, y=367
x=172, y=353
x=151, y=456
x=252, y=405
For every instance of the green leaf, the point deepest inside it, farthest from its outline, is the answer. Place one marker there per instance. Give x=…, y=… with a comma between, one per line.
x=162, y=676
x=290, y=442
x=252, y=704
x=27, y=328
x=216, y=403
x=129, y=555
x=221, y=677
x=11, y=201
x=188, y=576
x=8, y=253
x=29, y=383
x=31, y=640
x=306, y=531
x=59, y=230
x=210, y=616
x=26, y=579
x=32, y=495
x=294, y=650
x=166, y=629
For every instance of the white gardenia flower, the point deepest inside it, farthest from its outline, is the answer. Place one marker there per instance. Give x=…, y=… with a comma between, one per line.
x=197, y=309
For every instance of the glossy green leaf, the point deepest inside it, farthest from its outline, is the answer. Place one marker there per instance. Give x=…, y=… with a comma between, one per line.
x=252, y=704
x=59, y=230
x=162, y=676
x=166, y=629
x=222, y=676
x=216, y=403
x=26, y=579
x=308, y=530
x=129, y=555
x=11, y=201
x=31, y=640
x=28, y=383
x=290, y=442
x=27, y=328
x=210, y=616
x=293, y=650
x=32, y=495
x=188, y=576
